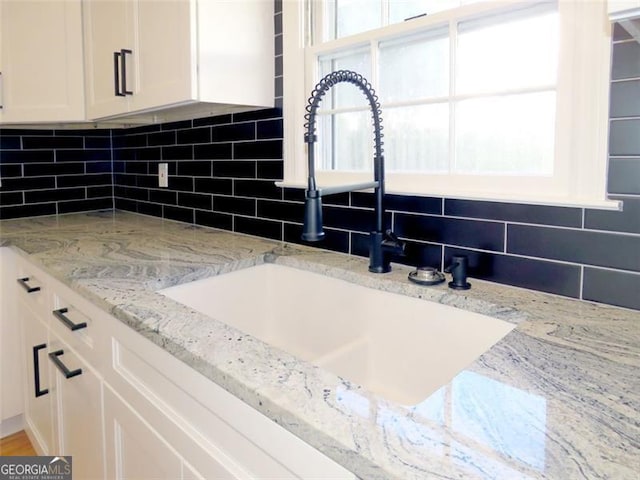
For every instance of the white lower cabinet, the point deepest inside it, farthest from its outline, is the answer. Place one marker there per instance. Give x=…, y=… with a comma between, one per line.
x=124, y=408
x=37, y=385
x=134, y=450
x=77, y=401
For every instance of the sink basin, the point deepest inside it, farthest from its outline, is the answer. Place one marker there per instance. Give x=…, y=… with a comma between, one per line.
x=399, y=347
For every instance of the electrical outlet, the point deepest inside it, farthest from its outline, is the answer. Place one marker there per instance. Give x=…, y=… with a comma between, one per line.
x=163, y=174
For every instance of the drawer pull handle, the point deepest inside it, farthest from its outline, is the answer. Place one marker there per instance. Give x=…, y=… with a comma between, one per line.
x=36, y=370
x=62, y=367
x=60, y=315
x=26, y=286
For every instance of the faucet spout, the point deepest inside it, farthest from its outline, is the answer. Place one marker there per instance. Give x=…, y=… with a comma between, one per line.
x=383, y=243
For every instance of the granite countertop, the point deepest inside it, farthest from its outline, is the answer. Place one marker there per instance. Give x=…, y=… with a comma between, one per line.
x=557, y=398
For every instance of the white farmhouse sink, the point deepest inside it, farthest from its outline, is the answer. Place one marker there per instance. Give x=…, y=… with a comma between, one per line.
x=400, y=347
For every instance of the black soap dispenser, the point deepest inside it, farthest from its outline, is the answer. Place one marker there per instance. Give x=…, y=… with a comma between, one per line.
x=458, y=269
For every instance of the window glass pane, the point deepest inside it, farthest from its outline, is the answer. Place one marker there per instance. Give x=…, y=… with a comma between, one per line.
x=345, y=141
x=507, y=52
x=512, y=134
x=414, y=67
x=346, y=95
x=348, y=17
x=417, y=138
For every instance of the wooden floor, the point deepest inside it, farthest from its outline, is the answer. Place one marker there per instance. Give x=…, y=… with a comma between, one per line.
x=16, y=445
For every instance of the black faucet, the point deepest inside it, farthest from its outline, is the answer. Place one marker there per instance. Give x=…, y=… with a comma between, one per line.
x=383, y=242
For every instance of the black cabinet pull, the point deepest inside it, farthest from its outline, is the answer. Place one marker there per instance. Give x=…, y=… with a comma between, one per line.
x=123, y=78
x=36, y=370
x=23, y=282
x=116, y=73
x=60, y=315
x=62, y=367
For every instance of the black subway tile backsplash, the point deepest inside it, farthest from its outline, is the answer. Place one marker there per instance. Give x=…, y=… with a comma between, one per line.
x=452, y=231
x=234, y=168
x=269, y=129
x=195, y=200
x=214, y=151
x=626, y=61
x=262, y=149
x=162, y=138
x=83, y=155
x=609, y=286
x=624, y=138
x=165, y=197
x=178, y=213
x=54, y=195
x=26, y=156
x=628, y=220
x=578, y=246
x=220, y=119
x=240, y=206
x=233, y=132
x=286, y=211
x=221, y=186
x=214, y=219
x=195, y=135
x=624, y=176
x=24, y=183
x=10, y=170
x=512, y=212
x=195, y=168
x=84, y=180
x=259, y=227
x=545, y=276
x=85, y=205
x=625, y=99
x=222, y=171
x=20, y=211
x=10, y=143
x=257, y=189
x=336, y=240
x=177, y=152
x=51, y=143
x=11, y=198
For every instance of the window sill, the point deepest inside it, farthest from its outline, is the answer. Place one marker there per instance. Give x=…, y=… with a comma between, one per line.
x=605, y=204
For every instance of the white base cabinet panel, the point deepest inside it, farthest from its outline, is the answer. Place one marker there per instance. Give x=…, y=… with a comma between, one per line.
x=134, y=449
x=78, y=415
x=38, y=409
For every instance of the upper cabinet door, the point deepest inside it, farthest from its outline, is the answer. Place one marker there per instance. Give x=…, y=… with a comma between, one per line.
x=107, y=38
x=164, y=60
x=41, y=61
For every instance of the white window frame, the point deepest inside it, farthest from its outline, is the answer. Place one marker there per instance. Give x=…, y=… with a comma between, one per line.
x=582, y=110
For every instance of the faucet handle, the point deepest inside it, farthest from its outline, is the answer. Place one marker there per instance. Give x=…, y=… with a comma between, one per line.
x=393, y=243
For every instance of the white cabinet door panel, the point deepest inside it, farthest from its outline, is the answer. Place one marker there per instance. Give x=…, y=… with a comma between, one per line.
x=42, y=70
x=134, y=450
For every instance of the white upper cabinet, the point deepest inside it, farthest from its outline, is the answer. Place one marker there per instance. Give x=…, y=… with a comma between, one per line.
x=177, y=57
x=42, y=78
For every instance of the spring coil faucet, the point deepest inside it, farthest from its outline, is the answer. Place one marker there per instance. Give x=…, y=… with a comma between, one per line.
x=382, y=243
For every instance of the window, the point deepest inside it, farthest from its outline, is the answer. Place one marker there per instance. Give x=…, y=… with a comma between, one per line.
x=480, y=99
